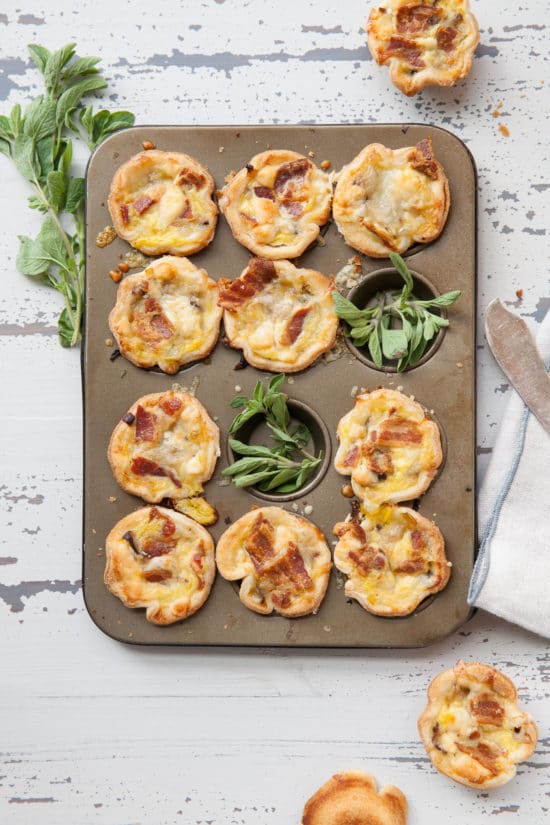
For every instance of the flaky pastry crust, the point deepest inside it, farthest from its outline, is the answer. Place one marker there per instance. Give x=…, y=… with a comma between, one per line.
x=276, y=205
x=161, y=202
x=389, y=447
x=168, y=314
x=472, y=728
x=424, y=44
x=387, y=199
x=282, y=559
x=282, y=317
x=160, y=560
x=352, y=797
x=165, y=446
x=394, y=558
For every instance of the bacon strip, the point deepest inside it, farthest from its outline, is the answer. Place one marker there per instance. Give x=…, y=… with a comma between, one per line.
x=417, y=540
x=487, y=711
x=159, y=575
x=145, y=467
x=367, y=559
x=446, y=38
x=406, y=50
x=484, y=755
x=295, y=326
x=186, y=177
x=288, y=572
x=185, y=216
x=293, y=207
x=414, y=19
x=158, y=320
x=124, y=213
x=351, y=458
x=171, y=404
x=398, y=433
x=258, y=275
x=259, y=544
x=264, y=192
x=143, y=203
x=292, y=170
x=416, y=564
x=378, y=461
x=145, y=424
x=422, y=159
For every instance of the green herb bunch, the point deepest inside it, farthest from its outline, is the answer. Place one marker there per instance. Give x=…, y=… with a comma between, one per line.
x=37, y=141
x=283, y=467
x=375, y=325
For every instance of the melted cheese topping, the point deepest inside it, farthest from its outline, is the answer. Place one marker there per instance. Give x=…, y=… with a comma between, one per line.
x=423, y=48
x=383, y=204
x=166, y=315
x=162, y=202
x=389, y=447
x=288, y=572
x=472, y=727
x=394, y=559
x=185, y=446
x=263, y=325
x=171, y=585
x=273, y=220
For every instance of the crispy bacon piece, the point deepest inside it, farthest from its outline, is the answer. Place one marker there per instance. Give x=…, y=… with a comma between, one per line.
x=487, y=711
x=151, y=548
x=142, y=466
x=293, y=207
x=159, y=575
x=143, y=203
x=446, y=38
x=259, y=544
x=124, y=213
x=378, y=461
x=157, y=320
x=294, y=170
x=414, y=19
x=252, y=221
x=264, y=192
x=259, y=274
x=186, y=215
x=398, y=433
x=351, y=458
x=406, y=50
x=421, y=158
x=145, y=424
x=483, y=754
x=168, y=526
x=186, y=177
x=367, y=559
x=287, y=573
x=171, y=404
x=295, y=326
x=417, y=540
x=416, y=564
x=352, y=527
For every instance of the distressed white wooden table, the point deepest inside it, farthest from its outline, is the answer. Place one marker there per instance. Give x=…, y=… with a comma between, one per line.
x=92, y=731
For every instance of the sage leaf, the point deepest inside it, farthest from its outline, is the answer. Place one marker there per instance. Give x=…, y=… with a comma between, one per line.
x=24, y=156
x=39, y=55
x=394, y=343
x=75, y=195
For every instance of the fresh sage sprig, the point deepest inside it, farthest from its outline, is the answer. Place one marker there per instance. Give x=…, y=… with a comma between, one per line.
x=283, y=467
x=398, y=326
x=37, y=141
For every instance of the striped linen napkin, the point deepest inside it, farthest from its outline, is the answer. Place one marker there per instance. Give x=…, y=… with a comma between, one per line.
x=511, y=576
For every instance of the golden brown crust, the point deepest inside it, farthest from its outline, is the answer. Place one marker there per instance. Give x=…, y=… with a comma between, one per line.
x=385, y=200
x=282, y=559
x=166, y=446
x=472, y=729
x=389, y=447
x=282, y=317
x=168, y=314
x=424, y=44
x=161, y=202
x=351, y=798
x=276, y=205
x=394, y=558
x=160, y=560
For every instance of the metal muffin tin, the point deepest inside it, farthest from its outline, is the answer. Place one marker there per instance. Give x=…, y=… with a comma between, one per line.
x=444, y=384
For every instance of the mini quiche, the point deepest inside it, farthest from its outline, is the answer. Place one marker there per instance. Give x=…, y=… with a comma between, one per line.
x=394, y=558
x=282, y=559
x=161, y=202
x=389, y=447
x=387, y=199
x=424, y=44
x=165, y=446
x=282, y=317
x=162, y=561
x=352, y=798
x=276, y=205
x=166, y=315
x=472, y=727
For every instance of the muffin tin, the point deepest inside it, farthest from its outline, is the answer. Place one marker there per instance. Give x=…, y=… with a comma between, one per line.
x=444, y=383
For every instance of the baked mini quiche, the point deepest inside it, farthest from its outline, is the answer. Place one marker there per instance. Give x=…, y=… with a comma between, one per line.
x=385, y=200
x=165, y=446
x=160, y=560
x=472, y=727
x=282, y=317
x=276, y=205
x=161, y=202
x=424, y=44
x=389, y=447
x=282, y=559
x=394, y=558
x=352, y=798
x=168, y=314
